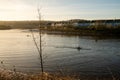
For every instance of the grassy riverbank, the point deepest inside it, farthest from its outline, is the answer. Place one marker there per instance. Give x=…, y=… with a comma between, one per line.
x=13, y=75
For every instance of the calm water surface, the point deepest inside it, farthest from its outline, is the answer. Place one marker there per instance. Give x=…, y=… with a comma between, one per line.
x=17, y=50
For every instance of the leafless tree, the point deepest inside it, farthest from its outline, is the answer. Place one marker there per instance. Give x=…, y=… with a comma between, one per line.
x=40, y=35
x=39, y=45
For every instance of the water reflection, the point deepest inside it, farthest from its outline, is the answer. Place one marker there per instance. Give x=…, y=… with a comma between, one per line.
x=75, y=54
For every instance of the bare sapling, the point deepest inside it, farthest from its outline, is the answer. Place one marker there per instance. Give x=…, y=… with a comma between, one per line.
x=39, y=45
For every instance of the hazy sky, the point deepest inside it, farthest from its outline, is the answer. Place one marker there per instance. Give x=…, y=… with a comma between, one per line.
x=59, y=9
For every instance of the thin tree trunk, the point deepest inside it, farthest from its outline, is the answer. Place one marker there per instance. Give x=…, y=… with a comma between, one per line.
x=40, y=45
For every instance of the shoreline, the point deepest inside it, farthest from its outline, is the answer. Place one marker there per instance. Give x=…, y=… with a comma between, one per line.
x=80, y=32
x=96, y=35
x=14, y=75
x=85, y=32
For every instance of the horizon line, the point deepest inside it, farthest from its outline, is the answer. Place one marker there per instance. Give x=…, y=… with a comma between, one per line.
x=61, y=20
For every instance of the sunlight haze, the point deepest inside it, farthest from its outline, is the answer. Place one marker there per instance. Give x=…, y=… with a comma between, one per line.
x=59, y=9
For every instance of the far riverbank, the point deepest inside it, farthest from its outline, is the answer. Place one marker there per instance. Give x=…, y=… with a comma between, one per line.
x=109, y=33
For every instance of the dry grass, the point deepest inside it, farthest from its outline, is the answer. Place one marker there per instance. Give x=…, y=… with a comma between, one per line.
x=12, y=75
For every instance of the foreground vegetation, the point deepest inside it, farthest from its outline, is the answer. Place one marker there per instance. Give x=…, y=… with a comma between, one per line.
x=13, y=75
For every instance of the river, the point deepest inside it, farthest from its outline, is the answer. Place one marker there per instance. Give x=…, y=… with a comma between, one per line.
x=60, y=53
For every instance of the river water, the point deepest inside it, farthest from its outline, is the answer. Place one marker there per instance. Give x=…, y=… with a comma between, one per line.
x=60, y=53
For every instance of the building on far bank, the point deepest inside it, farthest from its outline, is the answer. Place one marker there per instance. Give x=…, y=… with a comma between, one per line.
x=87, y=23
x=81, y=24
x=106, y=23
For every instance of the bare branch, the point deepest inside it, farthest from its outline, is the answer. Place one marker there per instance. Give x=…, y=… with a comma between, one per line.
x=35, y=41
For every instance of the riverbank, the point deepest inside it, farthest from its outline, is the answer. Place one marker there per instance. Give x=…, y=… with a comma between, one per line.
x=86, y=32
x=78, y=31
x=95, y=34
x=13, y=75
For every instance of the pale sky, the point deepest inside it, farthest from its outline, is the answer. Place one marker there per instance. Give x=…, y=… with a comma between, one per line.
x=59, y=9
